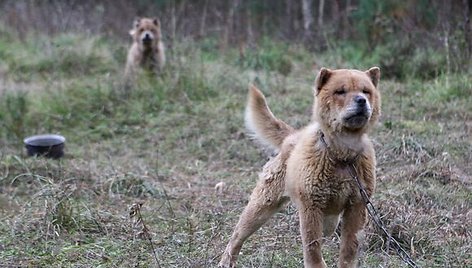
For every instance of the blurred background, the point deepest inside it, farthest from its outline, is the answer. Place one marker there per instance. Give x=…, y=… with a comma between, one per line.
x=409, y=37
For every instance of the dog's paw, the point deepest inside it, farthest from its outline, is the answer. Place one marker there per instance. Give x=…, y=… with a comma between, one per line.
x=226, y=261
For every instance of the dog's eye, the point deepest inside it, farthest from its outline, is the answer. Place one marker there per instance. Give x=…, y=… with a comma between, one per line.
x=365, y=91
x=340, y=92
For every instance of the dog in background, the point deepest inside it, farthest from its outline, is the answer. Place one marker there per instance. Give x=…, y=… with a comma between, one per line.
x=147, y=50
x=313, y=166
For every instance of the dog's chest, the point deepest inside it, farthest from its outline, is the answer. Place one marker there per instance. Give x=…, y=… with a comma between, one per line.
x=149, y=62
x=149, y=59
x=342, y=187
x=331, y=187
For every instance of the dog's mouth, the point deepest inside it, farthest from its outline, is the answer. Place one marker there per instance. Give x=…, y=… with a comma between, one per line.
x=357, y=120
x=147, y=40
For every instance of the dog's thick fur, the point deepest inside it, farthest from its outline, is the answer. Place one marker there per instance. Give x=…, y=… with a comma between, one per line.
x=312, y=165
x=147, y=50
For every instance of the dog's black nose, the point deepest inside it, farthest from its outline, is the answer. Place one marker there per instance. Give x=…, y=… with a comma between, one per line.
x=360, y=100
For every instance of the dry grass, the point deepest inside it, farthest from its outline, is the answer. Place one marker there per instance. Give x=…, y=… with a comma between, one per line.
x=168, y=143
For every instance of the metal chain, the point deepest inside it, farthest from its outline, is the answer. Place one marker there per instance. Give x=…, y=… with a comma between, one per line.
x=378, y=221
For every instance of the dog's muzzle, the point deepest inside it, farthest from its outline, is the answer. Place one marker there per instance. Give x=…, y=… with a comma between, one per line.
x=358, y=113
x=147, y=38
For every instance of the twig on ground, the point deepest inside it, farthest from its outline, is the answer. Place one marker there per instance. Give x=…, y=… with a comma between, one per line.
x=142, y=231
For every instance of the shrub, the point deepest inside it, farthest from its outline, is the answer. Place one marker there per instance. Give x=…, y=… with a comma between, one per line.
x=13, y=111
x=270, y=55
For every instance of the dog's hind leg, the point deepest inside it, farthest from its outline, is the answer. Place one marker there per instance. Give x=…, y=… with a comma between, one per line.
x=266, y=199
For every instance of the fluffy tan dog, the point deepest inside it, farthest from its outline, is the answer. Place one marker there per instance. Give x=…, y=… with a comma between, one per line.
x=312, y=167
x=147, y=50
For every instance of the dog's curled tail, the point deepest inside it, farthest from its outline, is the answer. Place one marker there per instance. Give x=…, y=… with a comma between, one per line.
x=262, y=123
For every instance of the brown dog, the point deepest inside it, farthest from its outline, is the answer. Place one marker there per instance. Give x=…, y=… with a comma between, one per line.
x=147, y=50
x=312, y=167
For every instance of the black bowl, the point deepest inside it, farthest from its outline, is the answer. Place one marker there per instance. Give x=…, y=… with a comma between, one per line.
x=48, y=145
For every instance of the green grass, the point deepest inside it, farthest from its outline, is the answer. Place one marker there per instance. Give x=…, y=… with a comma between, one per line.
x=168, y=141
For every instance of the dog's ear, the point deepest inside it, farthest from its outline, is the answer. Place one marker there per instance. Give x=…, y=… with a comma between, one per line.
x=136, y=22
x=135, y=26
x=156, y=22
x=374, y=74
x=321, y=79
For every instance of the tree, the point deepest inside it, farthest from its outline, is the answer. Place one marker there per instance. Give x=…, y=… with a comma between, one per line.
x=307, y=18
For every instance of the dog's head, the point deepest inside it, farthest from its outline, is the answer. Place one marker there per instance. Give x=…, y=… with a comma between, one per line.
x=146, y=32
x=347, y=100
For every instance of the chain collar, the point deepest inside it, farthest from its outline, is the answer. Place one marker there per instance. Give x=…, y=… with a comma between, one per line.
x=346, y=161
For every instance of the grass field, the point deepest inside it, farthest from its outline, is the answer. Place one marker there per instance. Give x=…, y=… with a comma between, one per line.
x=166, y=143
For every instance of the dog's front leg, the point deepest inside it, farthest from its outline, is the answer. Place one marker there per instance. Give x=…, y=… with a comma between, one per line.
x=354, y=219
x=311, y=229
